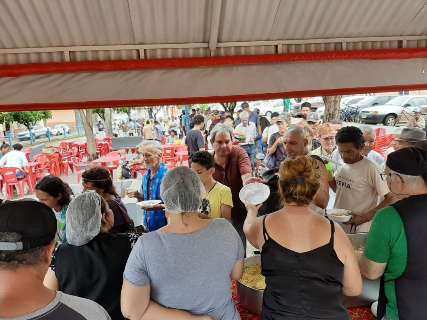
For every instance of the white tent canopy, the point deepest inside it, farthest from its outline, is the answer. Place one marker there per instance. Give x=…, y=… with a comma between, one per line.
x=72, y=32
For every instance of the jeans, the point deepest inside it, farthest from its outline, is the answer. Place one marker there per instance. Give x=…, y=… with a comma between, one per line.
x=250, y=150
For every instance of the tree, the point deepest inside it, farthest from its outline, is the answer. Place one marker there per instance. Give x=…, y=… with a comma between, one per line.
x=30, y=118
x=106, y=114
x=332, y=108
x=6, y=118
x=87, y=119
x=229, y=106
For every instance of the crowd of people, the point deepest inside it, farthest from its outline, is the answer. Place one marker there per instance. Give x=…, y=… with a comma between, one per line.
x=192, y=245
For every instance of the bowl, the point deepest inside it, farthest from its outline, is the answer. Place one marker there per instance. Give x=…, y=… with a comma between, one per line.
x=254, y=193
x=149, y=203
x=339, y=215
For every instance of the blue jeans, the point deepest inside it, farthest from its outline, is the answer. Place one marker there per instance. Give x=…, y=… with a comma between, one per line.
x=250, y=150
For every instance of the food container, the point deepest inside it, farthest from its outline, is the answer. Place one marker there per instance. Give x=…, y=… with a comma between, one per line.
x=251, y=299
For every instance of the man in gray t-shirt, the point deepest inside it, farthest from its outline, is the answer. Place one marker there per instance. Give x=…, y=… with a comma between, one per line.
x=27, y=241
x=189, y=272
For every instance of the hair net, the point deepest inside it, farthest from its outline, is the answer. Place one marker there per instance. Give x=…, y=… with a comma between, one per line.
x=182, y=191
x=83, y=218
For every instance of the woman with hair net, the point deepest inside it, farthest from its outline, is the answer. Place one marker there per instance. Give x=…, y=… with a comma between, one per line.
x=91, y=264
x=190, y=262
x=154, y=216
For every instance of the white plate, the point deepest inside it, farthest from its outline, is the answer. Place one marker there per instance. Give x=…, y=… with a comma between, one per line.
x=149, y=203
x=254, y=193
x=339, y=215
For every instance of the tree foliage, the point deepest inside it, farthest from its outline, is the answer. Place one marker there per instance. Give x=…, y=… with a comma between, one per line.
x=229, y=106
x=101, y=111
x=26, y=118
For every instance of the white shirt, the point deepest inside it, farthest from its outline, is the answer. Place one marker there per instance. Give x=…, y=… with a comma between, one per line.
x=269, y=131
x=14, y=159
x=359, y=188
x=378, y=159
x=250, y=132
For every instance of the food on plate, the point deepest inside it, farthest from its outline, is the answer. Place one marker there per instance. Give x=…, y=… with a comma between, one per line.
x=253, y=278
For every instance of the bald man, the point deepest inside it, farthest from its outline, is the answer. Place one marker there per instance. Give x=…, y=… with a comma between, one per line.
x=296, y=144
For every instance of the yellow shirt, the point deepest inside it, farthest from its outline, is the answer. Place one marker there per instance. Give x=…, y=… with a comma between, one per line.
x=219, y=195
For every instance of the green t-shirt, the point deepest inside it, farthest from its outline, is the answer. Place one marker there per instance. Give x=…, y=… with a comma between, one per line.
x=387, y=244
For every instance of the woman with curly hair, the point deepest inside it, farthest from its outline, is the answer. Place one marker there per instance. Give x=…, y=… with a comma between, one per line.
x=307, y=260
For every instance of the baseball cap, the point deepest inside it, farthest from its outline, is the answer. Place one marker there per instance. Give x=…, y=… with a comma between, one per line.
x=33, y=221
x=412, y=135
x=408, y=161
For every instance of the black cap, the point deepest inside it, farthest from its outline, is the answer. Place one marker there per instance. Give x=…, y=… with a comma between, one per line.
x=34, y=221
x=409, y=161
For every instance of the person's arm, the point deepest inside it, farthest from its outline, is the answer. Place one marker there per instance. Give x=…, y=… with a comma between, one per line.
x=378, y=249
x=321, y=198
x=226, y=212
x=369, y=215
x=50, y=281
x=200, y=142
x=381, y=189
x=370, y=269
x=245, y=167
x=273, y=144
x=237, y=271
x=265, y=135
x=3, y=160
x=136, y=305
x=252, y=226
x=24, y=160
x=333, y=184
x=352, y=281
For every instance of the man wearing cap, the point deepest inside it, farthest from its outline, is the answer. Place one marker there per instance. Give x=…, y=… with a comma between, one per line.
x=276, y=152
x=417, y=121
x=27, y=241
x=396, y=246
x=409, y=137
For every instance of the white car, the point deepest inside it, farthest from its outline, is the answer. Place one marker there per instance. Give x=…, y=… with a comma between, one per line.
x=345, y=101
x=58, y=129
x=389, y=112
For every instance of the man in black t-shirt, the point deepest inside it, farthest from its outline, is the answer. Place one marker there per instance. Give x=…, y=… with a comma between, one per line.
x=194, y=139
x=27, y=241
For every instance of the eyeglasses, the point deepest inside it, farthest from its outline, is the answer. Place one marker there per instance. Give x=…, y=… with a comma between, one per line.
x=385, y=175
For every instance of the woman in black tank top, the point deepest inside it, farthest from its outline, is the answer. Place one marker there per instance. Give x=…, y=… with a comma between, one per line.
x=303, y=284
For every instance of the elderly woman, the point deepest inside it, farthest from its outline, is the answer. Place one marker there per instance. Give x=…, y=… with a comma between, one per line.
x=91, y=265
x=184, y=270
x=154, y=217
x=99, y=179
x=307, y=260
x=56, y=194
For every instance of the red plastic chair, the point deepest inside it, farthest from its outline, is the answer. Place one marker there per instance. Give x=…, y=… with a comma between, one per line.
x=168, y=154
x=10, y=181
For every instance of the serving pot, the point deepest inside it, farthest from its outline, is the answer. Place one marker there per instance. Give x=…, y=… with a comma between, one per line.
x=251, y=299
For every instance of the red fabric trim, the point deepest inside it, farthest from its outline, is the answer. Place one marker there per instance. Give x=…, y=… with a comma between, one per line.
x=199, y=100
x=124, y=65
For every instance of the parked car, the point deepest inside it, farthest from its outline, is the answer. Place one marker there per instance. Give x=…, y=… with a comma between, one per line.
x=350, y=102
x=58, y=129
x=366, y=102
x=38, y=131
x=389, y=112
